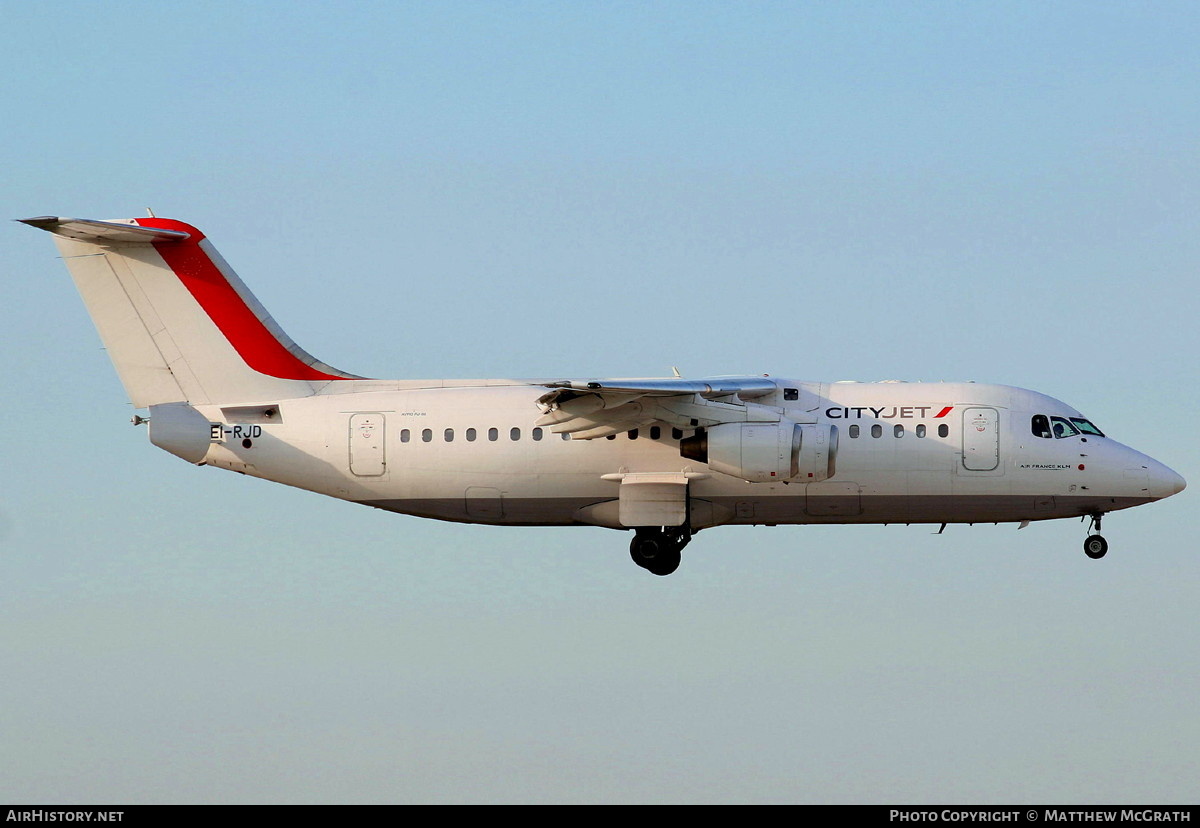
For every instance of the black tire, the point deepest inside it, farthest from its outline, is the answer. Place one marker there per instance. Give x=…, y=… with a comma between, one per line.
x=646, y=547
x=1095, y=547
x=655, y=551
x=665, y=562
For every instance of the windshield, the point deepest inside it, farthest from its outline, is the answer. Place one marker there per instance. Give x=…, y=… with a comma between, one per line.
x=1062, y=428
x=1086, y=426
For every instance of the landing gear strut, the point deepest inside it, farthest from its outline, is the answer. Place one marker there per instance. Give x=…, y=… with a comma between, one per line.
x=657, y=549
x=1095, y=546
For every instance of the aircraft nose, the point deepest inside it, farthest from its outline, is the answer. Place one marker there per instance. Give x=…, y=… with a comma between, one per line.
x=1165, y=482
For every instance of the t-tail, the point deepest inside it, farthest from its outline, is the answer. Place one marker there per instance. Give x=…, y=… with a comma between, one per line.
x=177, y=322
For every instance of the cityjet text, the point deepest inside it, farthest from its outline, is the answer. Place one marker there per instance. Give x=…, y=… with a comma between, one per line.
x=886, y=412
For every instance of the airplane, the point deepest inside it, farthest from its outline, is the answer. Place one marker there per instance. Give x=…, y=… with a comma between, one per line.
x=224, y=386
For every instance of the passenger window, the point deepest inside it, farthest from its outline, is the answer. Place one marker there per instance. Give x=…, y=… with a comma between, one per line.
x=449, y=435
x=470, y=435
x=514, y=434
x=655, y=432
x=854, y=431
x=633, y=434
x=876, y=430
x=921, y=430
x=791, y=393
x=427, y=435
x=565, y=436
x=898, y=430
x=404, y=435
x=536, y=433
x=676, y=434
x=1040, y=425
x=943, y=430
x=493, y=434
x=611, y=437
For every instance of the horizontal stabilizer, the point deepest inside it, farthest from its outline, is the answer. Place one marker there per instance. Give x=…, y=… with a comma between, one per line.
x=103, y=231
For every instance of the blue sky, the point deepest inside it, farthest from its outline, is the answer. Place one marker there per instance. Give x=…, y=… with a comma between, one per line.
x=1002, y=192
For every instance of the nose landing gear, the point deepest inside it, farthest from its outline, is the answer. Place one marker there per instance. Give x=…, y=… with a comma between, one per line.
x=1095, y=546
x=657, y=549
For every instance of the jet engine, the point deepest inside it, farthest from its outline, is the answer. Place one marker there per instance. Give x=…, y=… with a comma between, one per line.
x=762, y=452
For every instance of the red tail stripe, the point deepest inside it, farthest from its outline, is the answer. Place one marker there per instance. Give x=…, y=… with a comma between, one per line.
x=240, y=325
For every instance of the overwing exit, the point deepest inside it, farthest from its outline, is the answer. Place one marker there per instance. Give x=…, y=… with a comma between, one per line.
x=224, y=386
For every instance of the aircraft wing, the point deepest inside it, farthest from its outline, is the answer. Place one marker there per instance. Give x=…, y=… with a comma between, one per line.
x=587, y=409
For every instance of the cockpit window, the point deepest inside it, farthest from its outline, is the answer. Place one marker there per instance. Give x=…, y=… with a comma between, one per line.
x=1062, y=428
x=1086, y=426
x=1041, y=426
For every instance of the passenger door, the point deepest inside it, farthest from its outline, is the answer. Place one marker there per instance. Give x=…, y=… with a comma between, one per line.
x=980, y=439
x=367, y=445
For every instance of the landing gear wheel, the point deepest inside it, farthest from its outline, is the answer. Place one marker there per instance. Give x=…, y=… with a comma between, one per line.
x=656, y=551
x=1095, y=546
x=666, y=562
x=645, y=547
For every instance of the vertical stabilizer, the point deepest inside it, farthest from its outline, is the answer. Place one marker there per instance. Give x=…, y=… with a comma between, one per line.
x=178, y=323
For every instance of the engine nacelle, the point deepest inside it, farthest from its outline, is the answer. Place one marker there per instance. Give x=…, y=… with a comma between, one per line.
x=762, y=452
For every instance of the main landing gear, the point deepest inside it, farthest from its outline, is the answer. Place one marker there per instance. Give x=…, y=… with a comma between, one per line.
x=657, y=549
x=1095, y=546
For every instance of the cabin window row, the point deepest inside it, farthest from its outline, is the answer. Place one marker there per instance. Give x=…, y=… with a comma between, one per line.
x=654, y=433
x=514, y=434
x=471, y=435
x=943, y=430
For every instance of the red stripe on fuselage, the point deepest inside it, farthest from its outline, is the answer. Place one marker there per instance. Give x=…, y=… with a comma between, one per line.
x=226, y=308
x=944, y=412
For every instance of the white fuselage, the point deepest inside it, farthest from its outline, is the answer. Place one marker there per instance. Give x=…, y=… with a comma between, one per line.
x=905, y=452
